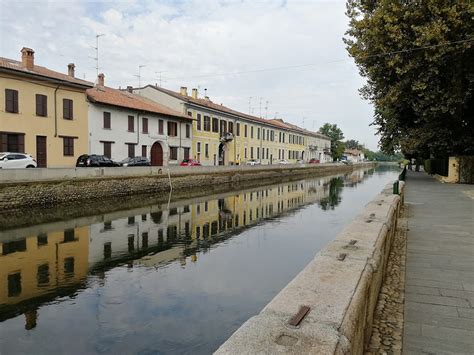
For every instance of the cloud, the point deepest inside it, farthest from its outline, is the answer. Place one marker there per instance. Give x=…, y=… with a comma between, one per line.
x=190, y=42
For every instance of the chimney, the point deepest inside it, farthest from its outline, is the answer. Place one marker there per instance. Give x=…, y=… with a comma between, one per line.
x=28, y=58
x=130, y=89
x=195, y=93
x=207, y=98
x=100, y=79
x=183, y=91
x=70, y=69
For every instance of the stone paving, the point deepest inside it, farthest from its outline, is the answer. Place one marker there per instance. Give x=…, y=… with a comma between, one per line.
x=439, y=298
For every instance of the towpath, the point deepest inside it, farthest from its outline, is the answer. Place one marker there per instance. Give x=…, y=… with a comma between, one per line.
x=439, y=300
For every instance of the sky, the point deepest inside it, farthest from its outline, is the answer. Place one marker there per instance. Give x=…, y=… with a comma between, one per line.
x=243, y=53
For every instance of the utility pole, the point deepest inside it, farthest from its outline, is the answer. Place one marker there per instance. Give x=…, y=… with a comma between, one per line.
x=97, y=53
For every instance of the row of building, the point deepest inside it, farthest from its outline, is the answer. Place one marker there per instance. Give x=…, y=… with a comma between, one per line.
x=57, y=117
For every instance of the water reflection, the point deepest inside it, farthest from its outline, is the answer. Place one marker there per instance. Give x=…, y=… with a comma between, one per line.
x=70, y=258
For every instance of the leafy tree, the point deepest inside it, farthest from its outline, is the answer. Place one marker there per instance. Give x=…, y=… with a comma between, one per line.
x=336, y=135
x=352, y=144
x=417, y=57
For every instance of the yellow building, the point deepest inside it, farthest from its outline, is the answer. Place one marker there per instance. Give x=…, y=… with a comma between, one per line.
x=42, y=112
x=223, y=136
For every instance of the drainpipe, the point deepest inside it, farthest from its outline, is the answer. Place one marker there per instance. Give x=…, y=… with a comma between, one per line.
x=180, y=147
x=56, y=111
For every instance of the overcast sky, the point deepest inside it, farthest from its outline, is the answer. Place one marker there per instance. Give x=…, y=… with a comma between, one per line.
x=209, y=44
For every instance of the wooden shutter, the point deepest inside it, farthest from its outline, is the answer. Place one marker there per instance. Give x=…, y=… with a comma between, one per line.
x=145, y=124
x=131, y=124
x=67, y=109
x=11, y=101
x=3, y=142
x=106, y=120
x=160, y=126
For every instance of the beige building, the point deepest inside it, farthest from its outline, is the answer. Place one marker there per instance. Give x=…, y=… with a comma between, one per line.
x=42, y=112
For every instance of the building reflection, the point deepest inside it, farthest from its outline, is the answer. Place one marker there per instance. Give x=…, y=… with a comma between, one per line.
x=56, y=262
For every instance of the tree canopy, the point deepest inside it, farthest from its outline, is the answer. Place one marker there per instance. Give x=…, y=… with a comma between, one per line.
x=334, y=132
x=417, y=57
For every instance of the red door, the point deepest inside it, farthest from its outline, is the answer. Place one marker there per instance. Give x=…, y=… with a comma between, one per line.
x=156, y=154
x=41, y=154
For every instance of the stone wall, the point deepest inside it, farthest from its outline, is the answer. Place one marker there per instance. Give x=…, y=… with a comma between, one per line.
x=47, y=193
x=340, y=286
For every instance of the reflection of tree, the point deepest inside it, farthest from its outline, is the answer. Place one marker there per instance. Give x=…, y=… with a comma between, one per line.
x=334, y=198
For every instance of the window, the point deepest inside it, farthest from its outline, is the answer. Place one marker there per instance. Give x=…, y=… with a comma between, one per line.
x=206, y=150
x=67, y=109
x=223, y=127
x=245, y=131
x=69, y=235
x=160, y=127
x=131, y=149
x=173, y=153
x=198, y=147
x=172, y=129
x=258, y=133
x=107, y=120
x=108, y=149
x=68, y=146
x=258, y=153
x=11, y=101
x=238, y=129
x=69, y=265
x=190, y=113
x=251, y=132
x=42, y=239
x=186, y=153
x=231, y=127
x=188, y=131
x=144, y=151
x=215, y=125
x=207, y=123
x=268, y=135
x=263, y=133
x=245, y=151
x=41, y=105
x=14, y=284
x=251, y=152
x=12, y=142
x=198, y=121
x=42, y=275
x=144, y=125
x=131, y=123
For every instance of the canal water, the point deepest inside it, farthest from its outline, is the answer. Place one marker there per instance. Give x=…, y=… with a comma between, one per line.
x=171, y=278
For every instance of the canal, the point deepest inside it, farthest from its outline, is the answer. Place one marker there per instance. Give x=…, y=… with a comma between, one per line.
x=169, y=278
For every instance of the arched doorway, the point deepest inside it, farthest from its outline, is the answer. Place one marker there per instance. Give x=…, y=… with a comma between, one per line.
x=156, y=154
x=221, y=154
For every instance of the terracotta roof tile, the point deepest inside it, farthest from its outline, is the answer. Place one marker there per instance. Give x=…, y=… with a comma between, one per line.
x=115, y=97
x=11, y=64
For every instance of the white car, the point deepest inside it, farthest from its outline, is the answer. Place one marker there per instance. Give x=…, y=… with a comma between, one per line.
x=16, y=161
x=284, y=162
x=253, y=162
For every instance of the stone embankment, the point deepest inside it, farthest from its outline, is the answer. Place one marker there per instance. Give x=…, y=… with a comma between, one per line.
x=28, y=188
x=329, y=307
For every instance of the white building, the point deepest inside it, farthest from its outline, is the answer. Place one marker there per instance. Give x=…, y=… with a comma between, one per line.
x=353, y=155
x=123, y=124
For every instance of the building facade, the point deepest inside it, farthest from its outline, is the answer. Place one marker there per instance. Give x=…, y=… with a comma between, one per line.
x=222, y=136
x=42, y=112
x=123, y=124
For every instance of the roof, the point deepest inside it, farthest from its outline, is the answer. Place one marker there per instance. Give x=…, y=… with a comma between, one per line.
x=115, y=97
x=14, y=65
x=352, y=151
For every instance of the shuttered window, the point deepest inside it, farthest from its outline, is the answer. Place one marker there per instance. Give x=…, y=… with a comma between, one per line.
x=108, y=149
x=145, y=125
x=172, y=129
x=231, y=127
x=68, y=109
x=160, y=127
x=186, y=153
x=12, y=142
x=11, y=101
x=215, y=124
x=173, y=153
x=131, y=124
x=41, y=105
x=198, y=122
x=107, y=120
x=68, y=146
x=144, y=151
x=237, y=129
x=207, y=123
x=131, y=150
x=188, y=131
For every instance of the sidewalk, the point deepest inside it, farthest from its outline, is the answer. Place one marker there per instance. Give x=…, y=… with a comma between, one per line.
x=439, y=300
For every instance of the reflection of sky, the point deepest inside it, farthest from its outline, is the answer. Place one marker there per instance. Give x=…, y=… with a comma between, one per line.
x=192, y=309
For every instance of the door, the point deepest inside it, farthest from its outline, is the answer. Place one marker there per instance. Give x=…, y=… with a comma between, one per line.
x=156, y=154
x=221, y=154
x=41, y=154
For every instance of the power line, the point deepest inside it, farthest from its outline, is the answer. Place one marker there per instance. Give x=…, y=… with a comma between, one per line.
x=297, y=66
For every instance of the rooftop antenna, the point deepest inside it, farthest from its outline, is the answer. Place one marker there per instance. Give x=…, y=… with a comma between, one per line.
x=96, y=58
x=266, y=109
x=159, y=76
x=139, y=76
x=261, y=107
x=304, y=118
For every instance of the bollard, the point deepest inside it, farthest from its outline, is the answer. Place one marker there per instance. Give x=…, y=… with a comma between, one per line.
x=395, y=188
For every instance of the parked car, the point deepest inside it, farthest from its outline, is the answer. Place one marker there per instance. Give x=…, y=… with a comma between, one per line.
x=300, y=161
x=314, y=161
x=136, y=161
x=94, y=160
x=283, y=162
x=16, y=161
x=253, y=162
x=190, y=162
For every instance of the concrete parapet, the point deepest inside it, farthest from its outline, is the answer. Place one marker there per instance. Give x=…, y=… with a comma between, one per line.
x=340, y=286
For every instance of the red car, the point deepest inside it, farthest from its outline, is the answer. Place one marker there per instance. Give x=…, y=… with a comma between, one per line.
x=190, y=162
x=313, y=161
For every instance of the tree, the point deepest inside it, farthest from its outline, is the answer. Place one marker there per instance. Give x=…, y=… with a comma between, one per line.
x=353, y=144
x=336, y=136
x=417, y=59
